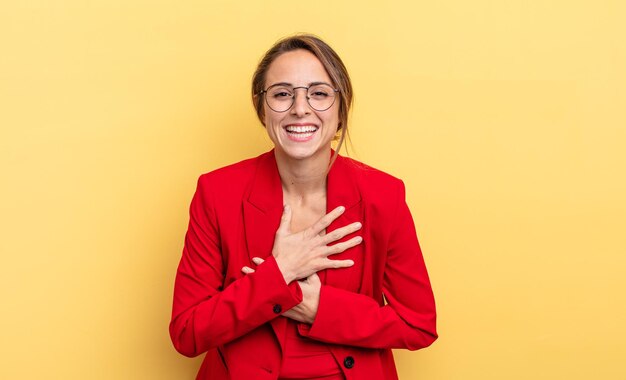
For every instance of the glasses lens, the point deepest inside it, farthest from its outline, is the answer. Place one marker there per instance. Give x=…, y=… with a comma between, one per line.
x=279, y=98
x=321, y=97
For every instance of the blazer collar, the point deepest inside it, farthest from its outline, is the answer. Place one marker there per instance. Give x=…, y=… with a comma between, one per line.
x=266, y=192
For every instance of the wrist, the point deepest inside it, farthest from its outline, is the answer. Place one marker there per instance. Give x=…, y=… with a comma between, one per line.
x=287, y=275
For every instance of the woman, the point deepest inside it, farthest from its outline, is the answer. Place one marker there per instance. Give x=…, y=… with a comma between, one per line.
x=290, y=256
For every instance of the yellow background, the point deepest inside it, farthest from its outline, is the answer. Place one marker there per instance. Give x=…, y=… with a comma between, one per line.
x=506, y=119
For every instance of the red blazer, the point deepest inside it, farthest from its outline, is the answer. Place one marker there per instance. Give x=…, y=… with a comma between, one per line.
x=383, y=301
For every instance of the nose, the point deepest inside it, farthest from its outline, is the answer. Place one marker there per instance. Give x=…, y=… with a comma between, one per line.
x=300, y=102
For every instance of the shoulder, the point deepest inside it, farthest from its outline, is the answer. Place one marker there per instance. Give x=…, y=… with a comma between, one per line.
x=383, y=195
x=232, y=179
x=370, y=179
x=233, y=172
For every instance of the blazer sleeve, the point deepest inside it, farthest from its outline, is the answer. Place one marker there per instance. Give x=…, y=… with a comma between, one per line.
x=206, y=315
x=408, y=320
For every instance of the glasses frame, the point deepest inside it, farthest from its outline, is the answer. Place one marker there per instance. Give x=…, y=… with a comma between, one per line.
x=293, y=98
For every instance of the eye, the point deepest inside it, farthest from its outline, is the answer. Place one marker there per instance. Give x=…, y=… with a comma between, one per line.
x=281, y=94
x=319, y=93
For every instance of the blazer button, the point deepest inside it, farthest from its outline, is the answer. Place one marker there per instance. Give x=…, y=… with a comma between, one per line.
x=277, y=309
x=348, y=362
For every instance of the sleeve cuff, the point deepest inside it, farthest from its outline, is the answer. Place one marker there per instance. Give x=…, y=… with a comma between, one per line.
x=286, y=296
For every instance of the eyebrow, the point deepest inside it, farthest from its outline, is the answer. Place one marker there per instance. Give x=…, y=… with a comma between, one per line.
x=291, y=84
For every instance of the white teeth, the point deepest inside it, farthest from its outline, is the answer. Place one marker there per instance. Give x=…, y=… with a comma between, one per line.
x=301, y=129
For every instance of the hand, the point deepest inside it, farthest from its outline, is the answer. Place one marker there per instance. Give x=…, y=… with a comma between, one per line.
x=301, y=254
x=306, y=310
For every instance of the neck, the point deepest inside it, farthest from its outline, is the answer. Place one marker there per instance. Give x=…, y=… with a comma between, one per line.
x=304, y=178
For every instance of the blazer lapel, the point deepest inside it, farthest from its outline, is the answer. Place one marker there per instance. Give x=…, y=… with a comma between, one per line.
x=342, y=190
x=262, y=210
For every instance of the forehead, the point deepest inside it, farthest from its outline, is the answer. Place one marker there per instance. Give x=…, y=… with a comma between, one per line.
x=298, y=67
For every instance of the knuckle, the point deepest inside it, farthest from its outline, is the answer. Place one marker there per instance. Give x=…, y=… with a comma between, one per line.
x=309, y=234
x=313, y=243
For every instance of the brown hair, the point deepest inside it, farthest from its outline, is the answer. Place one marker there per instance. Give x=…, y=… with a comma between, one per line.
x=331, y=62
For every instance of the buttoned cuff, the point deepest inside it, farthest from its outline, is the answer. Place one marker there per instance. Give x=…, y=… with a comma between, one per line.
x=289, y=295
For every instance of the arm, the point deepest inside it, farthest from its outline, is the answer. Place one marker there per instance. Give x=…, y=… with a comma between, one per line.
x=204, y=315
x=407, y=321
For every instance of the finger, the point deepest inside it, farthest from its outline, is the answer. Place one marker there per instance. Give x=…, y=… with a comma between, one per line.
x=285, y=221
x=341, y=232
x=247, y=270
x=291, y=313
x=340, y=247
x=257, y=260
x=325, y=221
x=314, y=279
x=295, y=313
x=336, y=264
x=288, y=313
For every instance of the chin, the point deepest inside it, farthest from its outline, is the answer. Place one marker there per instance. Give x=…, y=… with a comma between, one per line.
x=300, y=153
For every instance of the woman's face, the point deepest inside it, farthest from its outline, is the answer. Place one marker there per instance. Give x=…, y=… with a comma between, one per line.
x=301, y=132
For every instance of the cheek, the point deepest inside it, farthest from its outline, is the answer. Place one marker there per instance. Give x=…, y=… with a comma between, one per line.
x=332, y=119
x=271, y=117
x=267, y=119
x=272, y=123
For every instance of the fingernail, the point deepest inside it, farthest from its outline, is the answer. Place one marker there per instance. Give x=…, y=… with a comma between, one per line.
x=358, y=225
x=359, y=239
x=342, y=209
x=350, y=262
x=257, y=260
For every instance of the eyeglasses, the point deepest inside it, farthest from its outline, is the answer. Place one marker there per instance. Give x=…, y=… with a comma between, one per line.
x=280, y=97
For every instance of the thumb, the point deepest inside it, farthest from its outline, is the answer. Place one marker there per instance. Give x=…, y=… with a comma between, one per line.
x=285, y=220
x=314, y=279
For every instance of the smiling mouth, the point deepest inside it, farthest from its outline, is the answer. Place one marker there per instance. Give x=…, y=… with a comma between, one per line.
x=301, y=132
